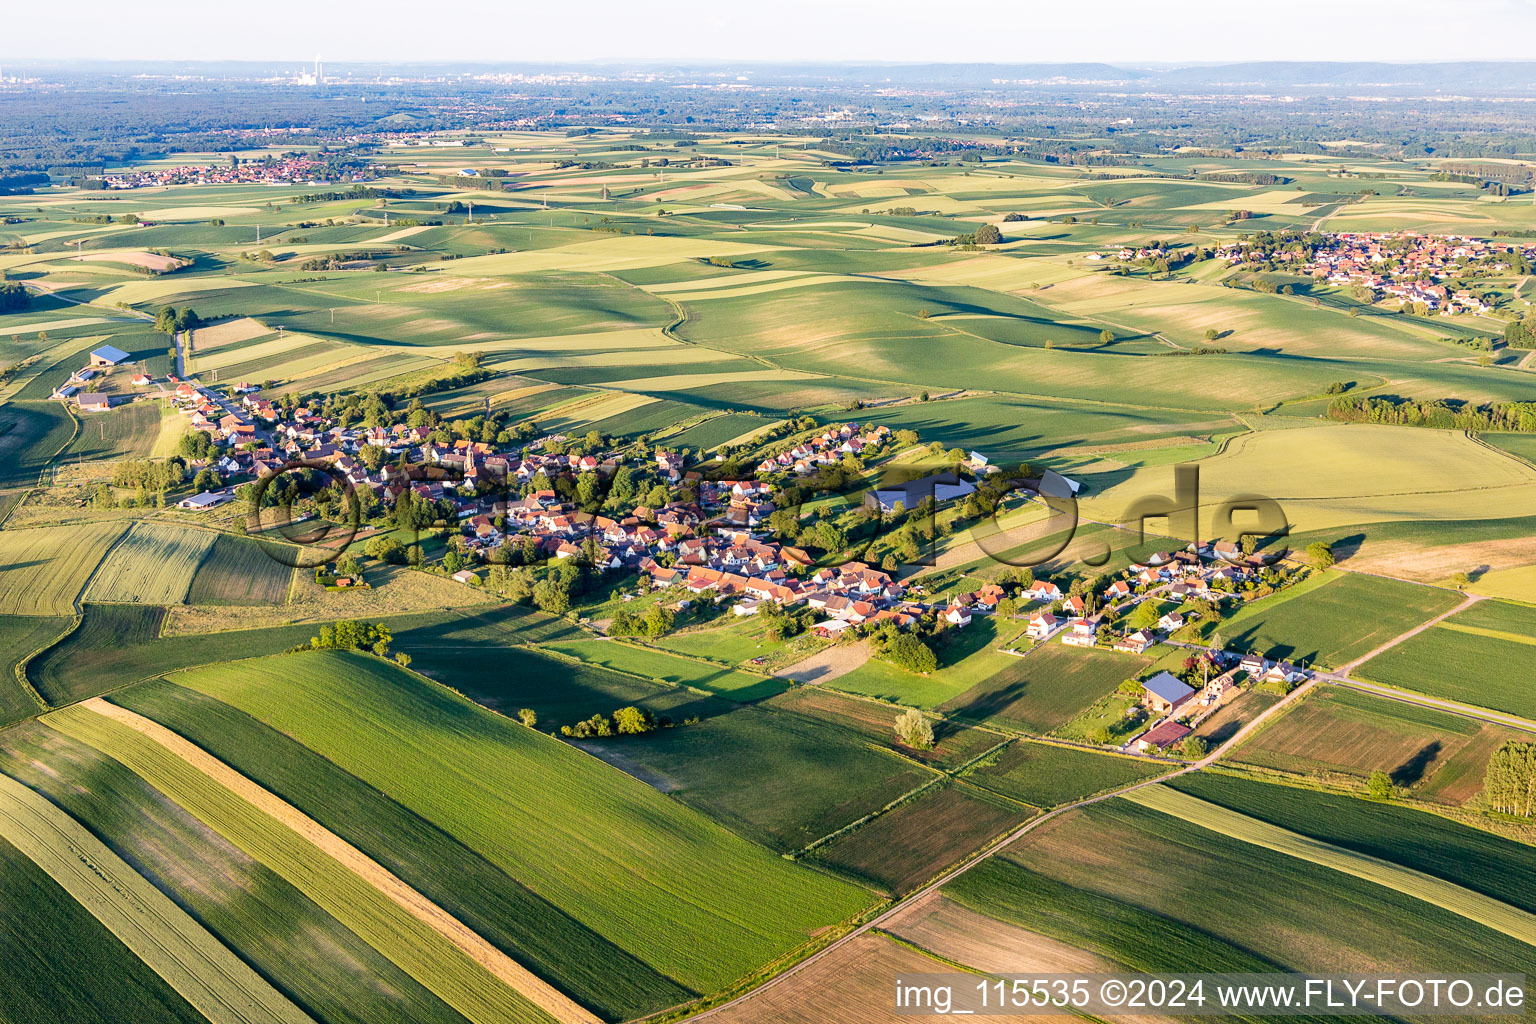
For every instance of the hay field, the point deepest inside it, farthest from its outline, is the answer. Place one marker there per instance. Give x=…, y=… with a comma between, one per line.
x=153, y=564
x=1344, y=474
x=42, y=571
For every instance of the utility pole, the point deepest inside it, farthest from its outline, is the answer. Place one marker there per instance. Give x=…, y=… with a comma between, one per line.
x=471, y=218
x=258, y=234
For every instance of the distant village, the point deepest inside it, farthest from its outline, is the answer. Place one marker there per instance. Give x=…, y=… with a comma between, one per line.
x=1403, y=265
x=289, y=170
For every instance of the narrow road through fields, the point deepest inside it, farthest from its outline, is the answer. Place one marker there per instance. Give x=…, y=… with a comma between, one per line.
x=1470, y=600
x=1437, y=703
x=1001, y=845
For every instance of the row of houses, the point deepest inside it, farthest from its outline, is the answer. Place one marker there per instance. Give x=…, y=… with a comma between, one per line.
x=825, y=448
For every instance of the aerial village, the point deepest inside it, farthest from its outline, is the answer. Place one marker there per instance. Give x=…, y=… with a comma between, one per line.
x=704, y=543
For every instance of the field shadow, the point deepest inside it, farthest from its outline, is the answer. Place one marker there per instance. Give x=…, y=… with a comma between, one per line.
x=1416, y=767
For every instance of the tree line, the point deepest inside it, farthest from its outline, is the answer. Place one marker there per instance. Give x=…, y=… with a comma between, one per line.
x=1519, y=417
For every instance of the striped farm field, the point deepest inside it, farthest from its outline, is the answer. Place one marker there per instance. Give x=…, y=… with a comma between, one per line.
x=1492, y=913
x=42, y=571
x=588, y=410
x=1504, y=869
x=153, y=564
x=202, y=970
x=453, y=762
x=528, y=929
x=241, y=571
x=324, y=868
x=1099, y=878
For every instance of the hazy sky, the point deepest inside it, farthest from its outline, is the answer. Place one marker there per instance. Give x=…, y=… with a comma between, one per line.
x=893, y=30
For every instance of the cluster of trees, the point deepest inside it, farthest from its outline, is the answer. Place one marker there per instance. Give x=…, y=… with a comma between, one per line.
x=14, y=297
x=914, y=729
x=157, y=477
x=630, y=721
x=905, y=650
x=1246, y=177
x=1509, y=784
x=987, y=234
x=1521, y=333
x=781, y=623
x=653, y=622
x=352, y=635
x=342, y=260
x=195, y=444
x=170, y=320
x=1519, y=417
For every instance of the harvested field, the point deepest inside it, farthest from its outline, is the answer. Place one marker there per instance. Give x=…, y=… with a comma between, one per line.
x=852, y=986
x=133, y=258
x=826, y=665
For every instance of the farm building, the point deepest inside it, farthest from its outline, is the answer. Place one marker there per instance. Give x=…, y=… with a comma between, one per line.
x=1161, y=736
x=941, y=487
x=1166, y=692
x=206, y=500
x=1054, y=485
x=92, y=402
x=466, y=576
x=107, y=355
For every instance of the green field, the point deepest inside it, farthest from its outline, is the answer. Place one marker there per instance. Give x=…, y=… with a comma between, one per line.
x=20, y=637
x=670, y=669
x=782, y=779
x=331, y=884
x=909, y=844
x=63, y=964
x=386, y=726
x=1470, y=857
x=1046, y=688
x=199, y=868
x=1045, y=775
x=1340, y=736
x=1331, y=623
x=1483, y=656
x=1132, y=884
x=532, y=930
